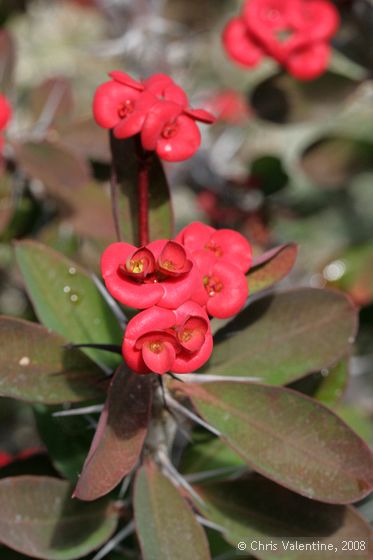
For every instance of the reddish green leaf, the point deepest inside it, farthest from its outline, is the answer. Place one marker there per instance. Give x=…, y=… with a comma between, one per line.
x=288, y=438
x=119, y=437
x=67, y=300
x=333, y=161
x=284, y=336
x=52, y=102
x=39, y=518
x=166, y=526
x=271, y=267
x=256, y=510
x=161, y=225
x=7, y=59
x=35, y=366
x=54, y=165
x=87, y=139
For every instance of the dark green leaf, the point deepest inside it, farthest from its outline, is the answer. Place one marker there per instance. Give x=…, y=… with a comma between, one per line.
x=67, y=439
x=207, y=454
x=38, y=518
x=256, y=510
x=282, y=337
x=288, y=437
x=35, y=366
x=166, y=526
x=67, y=301
x=119, y=437
x=161, y=224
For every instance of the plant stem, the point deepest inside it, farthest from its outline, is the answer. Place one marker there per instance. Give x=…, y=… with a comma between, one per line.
x=144, y=163
x=114, y=189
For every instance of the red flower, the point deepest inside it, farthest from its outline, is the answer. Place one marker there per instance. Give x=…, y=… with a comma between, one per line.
x=293, y=32
x=5, y=112
x=226, y=244
x=158, y=108
x=159, y=274
x=121, y=105
x=222, y=286
x=165, y=89
x=221, y=257
x=240, y=45
x=160, y=340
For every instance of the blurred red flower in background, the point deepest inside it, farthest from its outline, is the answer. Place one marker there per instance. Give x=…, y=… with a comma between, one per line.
x=296, y=33
x=5, y=116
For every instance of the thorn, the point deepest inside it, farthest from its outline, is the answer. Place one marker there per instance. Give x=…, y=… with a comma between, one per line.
x=113, y=348
x=122, y=319
x=80, y=411
x=189, y=414
x=210, y=524
x=175, y=377
x=207, y=378
x=112, y=543
x=177, y=478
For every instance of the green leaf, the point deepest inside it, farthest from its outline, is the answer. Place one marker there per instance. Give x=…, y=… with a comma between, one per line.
x=166, y=526
x=35, y=366
x=256, y=510
x=359, y=420
x=67, y=439
x=288, y=438
x=119, y=437
x=66, y=300
x=284, y=336
x=271, y=267
x=356, y=272
x=161, y=222
x=38, y=518
x=332, y=386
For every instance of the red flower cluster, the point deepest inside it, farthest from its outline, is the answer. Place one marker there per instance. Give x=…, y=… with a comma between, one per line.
x=156, y=108
x=296, y=33
x=5, y=116
x=178, y=284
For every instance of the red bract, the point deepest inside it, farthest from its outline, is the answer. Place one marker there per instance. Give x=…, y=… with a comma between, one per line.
x=221, y=257
x=118, y=105
x=293, y=32
x=159, y=274
x=160, y=340
x=158, y=108
x=226, y=244
x=222, y=286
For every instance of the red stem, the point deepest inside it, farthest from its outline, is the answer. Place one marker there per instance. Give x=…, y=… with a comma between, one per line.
x=143, y=193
